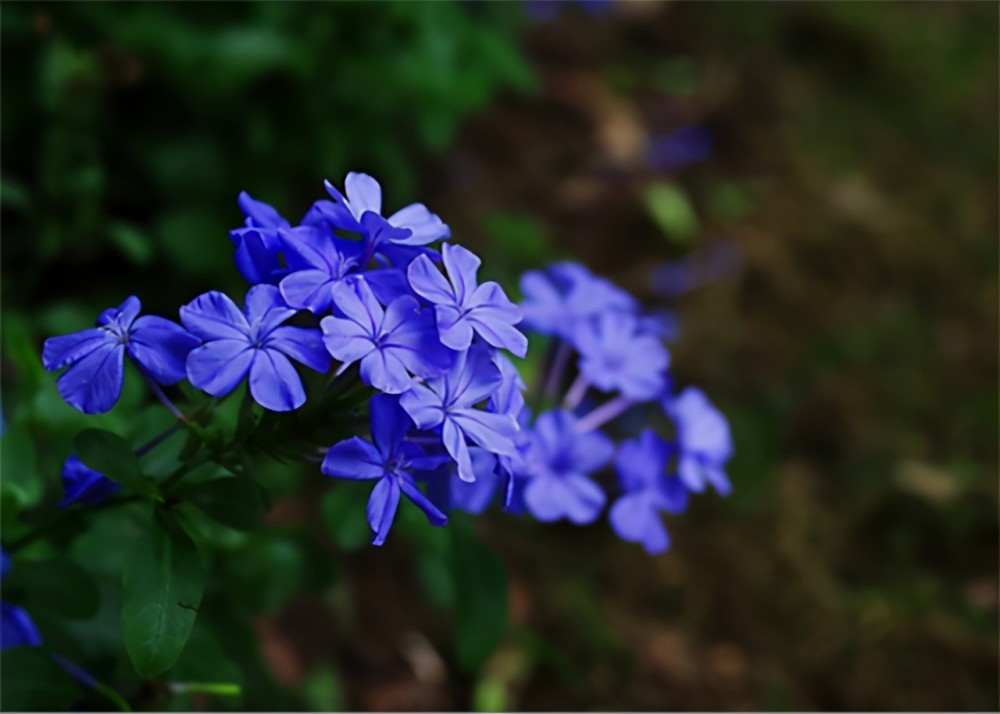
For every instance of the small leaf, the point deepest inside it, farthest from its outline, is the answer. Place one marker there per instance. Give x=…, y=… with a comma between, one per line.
x=344, y=517
x=110, y=455
x=480, y=580
x=671, y=210
x=33, y=682
x=164, y=580
x=236, y=502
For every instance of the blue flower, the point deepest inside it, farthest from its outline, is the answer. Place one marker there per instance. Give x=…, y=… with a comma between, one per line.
x=704, y=443
x=557, y=463
x=462, y=307
x=560, y=298
x=16, y=626
x=642, y=472
x=449, y=402
x=364, y=196
x=259, y=243
x=95, y=357
x=316, y=263
x=615, y=354
x=685, y=146
x=84, y=485
x=391, y=343
x=251, y=342
x=390, y=461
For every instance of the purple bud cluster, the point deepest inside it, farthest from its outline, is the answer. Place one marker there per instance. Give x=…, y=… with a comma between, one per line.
x=449, y=427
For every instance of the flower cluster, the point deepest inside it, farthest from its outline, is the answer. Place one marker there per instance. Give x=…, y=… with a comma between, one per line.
x=449, y=426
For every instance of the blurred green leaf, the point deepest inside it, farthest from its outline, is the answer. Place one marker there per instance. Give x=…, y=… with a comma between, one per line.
x=20, y=475
x=670, y=208
x=236, y=502
x=480, y=580
x=132, y=242
x=33, y=682
x=110, y=455
x=343, y=511
x=58, y=584
x=163, y=581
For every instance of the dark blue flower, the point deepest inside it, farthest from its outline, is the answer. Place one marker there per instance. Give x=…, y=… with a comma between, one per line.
x=251, y=342
x=392, y=344
x=449, y=402
x=642, y=472
x=564, y=295
x=95, y=357
x=463, y=307
x=84, y=485
x=616, y=355
x=681, y=148
x=391, y=461
x=557, y=464
x=316, y=262
x=704, y=443
x=258, y=243
x=17, y=628
x=364, y=196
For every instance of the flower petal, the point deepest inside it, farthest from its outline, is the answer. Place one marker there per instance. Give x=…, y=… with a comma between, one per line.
x=308, y=290
x=354, y=459
x=462, y=266
x=363, y=194
x=425, y=227
x=428, y=282
x=355, y=299
x=454, y=443
x=218, y=366
x=59, y=352
x=302, y=344
x=389, y=423
x=423, y=405
x=382, y=506
x=213, y=316
x=94, y=384
x=274, y=383
x=161, y=348
x=434, y=515
x=634, y=518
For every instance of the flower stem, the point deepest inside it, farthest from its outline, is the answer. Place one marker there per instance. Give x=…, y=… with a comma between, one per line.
x=557, y=369
x=163, y=397
x=576, y=392
x=156, y=441
x=604, y=413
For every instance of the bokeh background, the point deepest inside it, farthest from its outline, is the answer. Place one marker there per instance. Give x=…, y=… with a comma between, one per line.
x=812, y=187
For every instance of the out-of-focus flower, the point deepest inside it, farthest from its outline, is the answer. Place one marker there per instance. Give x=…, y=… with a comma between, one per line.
x=84, y=485
x=558, y=462
x=642, y=472
x=615, y=355
x=96, y=357
x=391, y=461
x=252, y=342
x=703, y=441
x=689, y=145
x=463, y=307
x=391, y=344
x=558, y=299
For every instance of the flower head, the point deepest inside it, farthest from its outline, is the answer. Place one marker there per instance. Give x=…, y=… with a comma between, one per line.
x=391, y=344
x=95, y=357
x=615, y=354
x=258, y=243
x=252, y=342
x=390, y=461
x=317, y=261
x=557, y=464
x=642, y=472
x=704, y=443
x=449, y=402
x=564, y=295
x=462, y=306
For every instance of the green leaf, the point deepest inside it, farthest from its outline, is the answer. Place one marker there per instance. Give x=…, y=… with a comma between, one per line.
x=58, y=584
x=344, y=517
x=110, y=455
x=236, y=502
x=33, y=682
x=480, y=580
x=19, y=474
x=671, y=210
x=163, y=583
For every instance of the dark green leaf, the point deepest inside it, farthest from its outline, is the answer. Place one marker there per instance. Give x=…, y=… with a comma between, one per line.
x=20, y=475
x=33, y=682
x=480, y=581
x=344, y=517
x=236, y=502
x=58, y=584
x=110, y=455
x=163, y=580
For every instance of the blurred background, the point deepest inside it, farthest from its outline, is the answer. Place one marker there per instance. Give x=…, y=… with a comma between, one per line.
x=812, y=187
